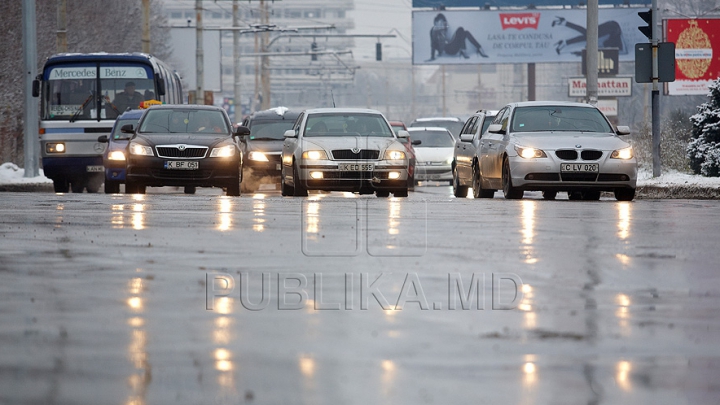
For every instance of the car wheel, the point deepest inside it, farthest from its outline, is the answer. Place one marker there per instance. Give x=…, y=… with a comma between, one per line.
x=61, y=186
x=403, y=192
x=478, y=191
x=112, y=187
x=190, y=189
x=411, y=183
x=591, y=195
x=285, y=190
x=574, y=195
x=298, y=190
x=233, y=190
x=511, y=193
x=624, y=194
x=458, y=190
x=549, y=195
x=382, y=193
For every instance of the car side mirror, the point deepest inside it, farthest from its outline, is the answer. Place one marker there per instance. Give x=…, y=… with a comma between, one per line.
x=496, y=129
x=623, y=130
x=103, y=139
x=127, y=129
x=416, y=142
x=467, y=137
x=403, y=134
x=290, y=133
x=242, y=131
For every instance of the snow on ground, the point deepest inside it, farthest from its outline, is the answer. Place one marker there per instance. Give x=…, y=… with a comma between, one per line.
x=10, y=173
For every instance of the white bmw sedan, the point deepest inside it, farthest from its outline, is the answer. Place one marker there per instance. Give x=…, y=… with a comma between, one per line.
x=555, y=147
x=344, y=149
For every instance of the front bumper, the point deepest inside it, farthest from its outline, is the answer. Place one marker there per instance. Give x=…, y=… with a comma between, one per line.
x=545, y=174
x=211, y=172
x=273, y=167
x=433, y=172
x=334, y=179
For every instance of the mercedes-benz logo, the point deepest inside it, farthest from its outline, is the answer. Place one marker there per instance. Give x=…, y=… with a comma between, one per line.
x=181, y=147
x=355, y=150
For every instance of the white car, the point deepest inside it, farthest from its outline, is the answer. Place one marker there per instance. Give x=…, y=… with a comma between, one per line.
x=554, y=147
x=434, y=153
x=344, y=149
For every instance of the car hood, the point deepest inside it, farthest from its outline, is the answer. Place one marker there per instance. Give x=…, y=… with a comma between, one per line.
x=265, y=145
x=565, y=140
x=189, y=139
x=348, y=142
x=433, y=154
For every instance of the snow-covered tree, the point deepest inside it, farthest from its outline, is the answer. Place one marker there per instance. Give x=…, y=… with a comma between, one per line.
x=704, y=150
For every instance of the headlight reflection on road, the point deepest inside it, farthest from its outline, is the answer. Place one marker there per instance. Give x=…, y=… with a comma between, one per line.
x=623, y=313
x=259, y=212
x=530, y=317
x=388, y=377
x=59, y=218
x=529, y=369
x=140, y=378
x=117, y=221
x=624, y=219
x=312, y=219
x=528, y=230
x=225, y=206
x=622, y=374
x=138, y=218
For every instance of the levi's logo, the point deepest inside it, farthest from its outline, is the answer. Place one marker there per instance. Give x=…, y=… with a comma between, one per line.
x=519, y=20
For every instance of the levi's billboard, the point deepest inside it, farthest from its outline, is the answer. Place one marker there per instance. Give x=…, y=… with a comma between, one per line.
x=449, y=37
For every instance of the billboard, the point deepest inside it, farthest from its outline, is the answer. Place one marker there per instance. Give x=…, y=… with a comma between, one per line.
x=450, y=37
x=697, y=46
x=517, y=3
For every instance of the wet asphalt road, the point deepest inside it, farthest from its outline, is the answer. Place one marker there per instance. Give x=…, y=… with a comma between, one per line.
x=104, y=299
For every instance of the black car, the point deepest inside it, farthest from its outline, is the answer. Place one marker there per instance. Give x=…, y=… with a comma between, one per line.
x=114, y=157
x=185, y=146
x=263, y=146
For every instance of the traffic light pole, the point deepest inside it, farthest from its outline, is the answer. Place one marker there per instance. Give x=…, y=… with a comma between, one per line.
x=657, y=168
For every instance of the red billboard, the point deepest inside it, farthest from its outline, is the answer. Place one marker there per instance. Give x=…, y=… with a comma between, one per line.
x=697, y=54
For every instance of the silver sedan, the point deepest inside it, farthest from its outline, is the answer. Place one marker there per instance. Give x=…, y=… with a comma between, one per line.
x=555, y=147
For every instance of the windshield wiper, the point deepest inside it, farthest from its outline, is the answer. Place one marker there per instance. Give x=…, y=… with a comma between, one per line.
x=82, y=107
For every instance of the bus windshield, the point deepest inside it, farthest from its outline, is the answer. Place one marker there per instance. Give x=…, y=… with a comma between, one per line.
x=105, y=90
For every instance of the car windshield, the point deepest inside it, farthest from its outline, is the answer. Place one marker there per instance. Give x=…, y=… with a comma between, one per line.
x=166, y=121
x=433, y=139
x=347, y=124
x=453, y=126
x=117, y=134
x=270, y=129
x=559, y=119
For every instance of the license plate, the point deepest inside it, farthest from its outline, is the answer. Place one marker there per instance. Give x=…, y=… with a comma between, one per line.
x=95, y=169
x=356, y=167
x=580, y=167
x=182, y=165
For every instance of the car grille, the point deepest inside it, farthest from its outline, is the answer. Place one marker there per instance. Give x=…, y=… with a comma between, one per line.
x=567, y=154
x=591, y=154
x=347, y=154
x=181, y=174
x=578, y=176
x=189, y=152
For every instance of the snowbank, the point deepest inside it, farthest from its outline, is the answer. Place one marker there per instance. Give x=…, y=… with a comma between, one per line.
x=10, y=173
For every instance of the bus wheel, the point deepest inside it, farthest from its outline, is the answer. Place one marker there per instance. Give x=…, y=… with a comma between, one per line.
x=61, y=186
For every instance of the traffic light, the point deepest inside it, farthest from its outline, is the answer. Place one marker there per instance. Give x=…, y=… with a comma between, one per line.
x=648, y=29
x=313, y=49
x=378, y=51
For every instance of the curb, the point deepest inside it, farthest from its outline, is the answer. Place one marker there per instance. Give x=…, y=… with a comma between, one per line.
x=34, y=188
x=690, y=192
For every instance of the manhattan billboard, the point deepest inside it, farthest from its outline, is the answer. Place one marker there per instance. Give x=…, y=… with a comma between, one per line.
x=451, y=37
x=697, y=50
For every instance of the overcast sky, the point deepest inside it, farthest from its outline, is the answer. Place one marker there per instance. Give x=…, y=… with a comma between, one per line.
x=381, y=17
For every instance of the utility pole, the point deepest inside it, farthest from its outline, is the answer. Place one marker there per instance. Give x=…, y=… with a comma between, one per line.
x=265, y=60
x=591, y=81
x=31, y=142
x=199, y=56
x=236, y=62
x=657, y=167
x=61, y=37
x=444, y=110
x=146, y=26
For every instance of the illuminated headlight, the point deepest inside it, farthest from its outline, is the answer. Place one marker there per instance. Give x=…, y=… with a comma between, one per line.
x=259, y=156
x=55, y=147
x=393, y=175
x=314, y=155
x=529, y=153
x=316, y=175
x=623, y=154
x=449, y=161
x=394, y=155
x=116, y=155
x=142, y=150
x=223, y=151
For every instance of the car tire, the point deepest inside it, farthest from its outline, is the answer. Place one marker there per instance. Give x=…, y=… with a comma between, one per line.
x=112, y=187
x=624, y=194
x=233, y=190
x=403, y=192
x=189, y=189
x=478, y=191
x=61, y=186
x=591, y=195
x=298, y=190
x=511, y=193
x=382, y=193
x=549, y=195
x=285, y=190
x=458, y=190
x=77, y=186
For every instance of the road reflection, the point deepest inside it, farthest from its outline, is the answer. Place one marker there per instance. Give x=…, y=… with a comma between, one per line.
x=140, y=379
x=224, y=216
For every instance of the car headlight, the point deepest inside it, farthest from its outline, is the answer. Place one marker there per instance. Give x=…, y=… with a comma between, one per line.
x=529, y=153
x=223, y=151
x=449, y=161
x=139, y=149
x=394, y=155
x=314, y=155
x=58, y=147
x=624, y=154
x=116, y=155
x=259, y=156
